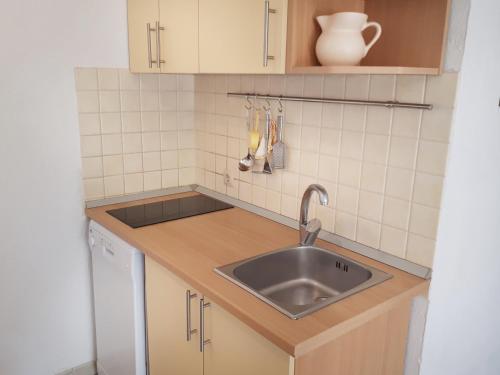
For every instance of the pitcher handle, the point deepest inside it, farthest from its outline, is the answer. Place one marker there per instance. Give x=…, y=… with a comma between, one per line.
x=378, y=33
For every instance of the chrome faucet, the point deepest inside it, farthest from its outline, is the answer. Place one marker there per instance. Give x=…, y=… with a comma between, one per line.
x=309, y=230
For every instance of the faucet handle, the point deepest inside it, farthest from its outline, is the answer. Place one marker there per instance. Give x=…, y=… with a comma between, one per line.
x=310, y=232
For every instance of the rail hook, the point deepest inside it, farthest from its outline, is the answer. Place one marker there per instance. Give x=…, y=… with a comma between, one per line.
x=268, y=108
x=250, y=104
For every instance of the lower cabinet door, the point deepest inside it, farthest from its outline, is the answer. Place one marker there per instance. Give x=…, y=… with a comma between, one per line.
x=236, y=349
x=168, y=305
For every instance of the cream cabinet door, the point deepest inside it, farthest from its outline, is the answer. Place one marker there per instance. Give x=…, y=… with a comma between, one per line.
x=233, y=34
x=167, y=312
x=234, y=348
x=179, y=37
x=142, y=18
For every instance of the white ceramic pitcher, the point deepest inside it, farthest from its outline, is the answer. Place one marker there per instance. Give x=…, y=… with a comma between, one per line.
x=341, y=41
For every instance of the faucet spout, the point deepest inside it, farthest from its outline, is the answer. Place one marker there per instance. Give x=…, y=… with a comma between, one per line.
x=309, y=230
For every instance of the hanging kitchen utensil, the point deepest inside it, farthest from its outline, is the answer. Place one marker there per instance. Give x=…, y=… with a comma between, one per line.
x=279, y=148
x=261, y=151
x=267, y=165
x=254, y=130
x=273, y=137
x=246, y=163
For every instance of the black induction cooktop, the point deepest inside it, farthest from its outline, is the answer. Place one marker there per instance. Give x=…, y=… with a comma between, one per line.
x=173, y=209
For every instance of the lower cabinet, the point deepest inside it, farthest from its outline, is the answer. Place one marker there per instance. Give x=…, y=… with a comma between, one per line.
x=170, y=352
x=190, y=335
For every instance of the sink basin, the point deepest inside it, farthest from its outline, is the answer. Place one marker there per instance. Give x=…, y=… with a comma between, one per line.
x=300, y=280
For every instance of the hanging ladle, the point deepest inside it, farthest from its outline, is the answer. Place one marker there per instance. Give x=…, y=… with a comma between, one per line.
x=246, y=163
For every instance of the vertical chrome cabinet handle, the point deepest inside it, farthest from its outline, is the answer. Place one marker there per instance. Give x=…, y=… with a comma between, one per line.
x=189, y=330
x=203, y=342
x=159, y=29
x=148, y=33
x=150, y=58
x=267, y=11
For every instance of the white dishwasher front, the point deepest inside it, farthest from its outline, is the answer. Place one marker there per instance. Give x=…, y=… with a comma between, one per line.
x=118, y=277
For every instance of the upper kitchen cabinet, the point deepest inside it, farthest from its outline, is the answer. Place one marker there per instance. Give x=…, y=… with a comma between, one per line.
x=163, y=36
x=279, y=36
x=179, y=40
x=243, y=36
x=142, y=47
x=413, y=36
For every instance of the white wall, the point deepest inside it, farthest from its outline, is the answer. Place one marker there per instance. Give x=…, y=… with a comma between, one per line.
x=463, y=327
x=457, y=30
x=45, y=290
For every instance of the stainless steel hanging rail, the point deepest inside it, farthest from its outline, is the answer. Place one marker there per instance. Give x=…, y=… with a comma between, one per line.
x=387, y=104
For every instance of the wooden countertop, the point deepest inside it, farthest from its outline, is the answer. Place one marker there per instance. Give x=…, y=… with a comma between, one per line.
x=192, y=247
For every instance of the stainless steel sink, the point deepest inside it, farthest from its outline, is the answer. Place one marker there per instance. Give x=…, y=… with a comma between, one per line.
x=300, y=280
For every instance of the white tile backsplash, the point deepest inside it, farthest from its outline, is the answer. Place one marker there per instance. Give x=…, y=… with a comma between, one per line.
x=114, y=185
x=132, y=127
x=109, y=101
x=393, y=241
x=112, y=144
x=89, y=124
x=410, y=88
x=383, y=168
x=113, y=165
x=108, y=79
x=399, y=183
x=373, y=177
x=130, y=101
x=368, y=233
x=111, y=123
x=88, y=101
x=134, y=183
x=92, y=167
x=371, y=206
x=128, y=81
x=93, y=187
x=152, y=180
x=86, y=79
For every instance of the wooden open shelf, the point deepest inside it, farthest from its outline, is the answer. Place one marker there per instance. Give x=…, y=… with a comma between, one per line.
x=413, y=36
